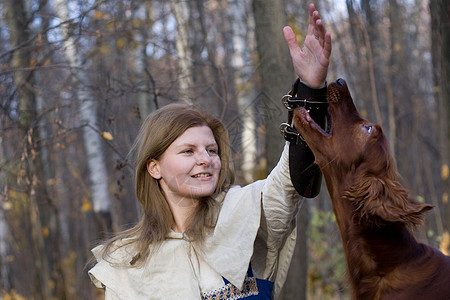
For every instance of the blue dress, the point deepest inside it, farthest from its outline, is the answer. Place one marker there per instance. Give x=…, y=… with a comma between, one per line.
x=254, y=288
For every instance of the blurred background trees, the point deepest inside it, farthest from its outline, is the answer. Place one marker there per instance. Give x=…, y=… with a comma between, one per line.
x=77, y=77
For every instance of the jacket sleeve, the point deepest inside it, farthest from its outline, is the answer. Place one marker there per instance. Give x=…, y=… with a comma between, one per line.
x=110, y=294
x=276, y=237
x=280, y=201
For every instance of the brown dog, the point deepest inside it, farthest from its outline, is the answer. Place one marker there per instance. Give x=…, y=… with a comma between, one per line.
x=373, y=211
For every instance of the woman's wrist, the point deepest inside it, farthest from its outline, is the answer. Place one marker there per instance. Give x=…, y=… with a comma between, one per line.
x=306, y=91
x=313, y=86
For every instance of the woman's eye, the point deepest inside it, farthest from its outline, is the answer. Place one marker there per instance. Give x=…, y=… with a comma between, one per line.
x=213, y=151
x=188, y=151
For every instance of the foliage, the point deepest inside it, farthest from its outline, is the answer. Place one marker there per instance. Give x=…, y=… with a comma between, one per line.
x=327, y=267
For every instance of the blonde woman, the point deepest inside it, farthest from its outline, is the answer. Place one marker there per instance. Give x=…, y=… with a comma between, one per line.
x=201, y=237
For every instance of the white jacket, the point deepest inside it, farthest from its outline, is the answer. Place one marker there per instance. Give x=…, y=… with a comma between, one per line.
x=256, y=224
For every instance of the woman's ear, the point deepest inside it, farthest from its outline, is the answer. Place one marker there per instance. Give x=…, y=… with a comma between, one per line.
x=153, y=169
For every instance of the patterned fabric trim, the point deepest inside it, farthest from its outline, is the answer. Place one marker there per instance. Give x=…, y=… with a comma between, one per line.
x=230, y=292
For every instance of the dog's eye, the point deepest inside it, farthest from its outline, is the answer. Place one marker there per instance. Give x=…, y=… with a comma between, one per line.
x=369, y=128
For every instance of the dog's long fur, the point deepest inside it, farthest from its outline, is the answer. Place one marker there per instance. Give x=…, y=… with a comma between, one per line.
x=372, y=208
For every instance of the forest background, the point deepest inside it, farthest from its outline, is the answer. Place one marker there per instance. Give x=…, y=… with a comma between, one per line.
x=77, y=77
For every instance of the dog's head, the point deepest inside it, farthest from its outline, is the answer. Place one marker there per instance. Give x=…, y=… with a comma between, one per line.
x=355, y=159
x=349, y=139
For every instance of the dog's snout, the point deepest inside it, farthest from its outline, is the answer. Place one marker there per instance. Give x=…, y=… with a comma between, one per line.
x=338, y=91
x=340, y=82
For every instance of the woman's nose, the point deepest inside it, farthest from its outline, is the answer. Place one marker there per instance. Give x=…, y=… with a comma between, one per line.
x=203, y=158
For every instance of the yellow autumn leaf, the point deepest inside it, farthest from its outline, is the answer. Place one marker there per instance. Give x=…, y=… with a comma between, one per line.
x=51, y=182
x=121, y=43
x=420, y=199
x=17, y=195
x=136, y=23
x=99, y=15
x=60, y=146
x=107, y=135
x=51, y=284
x=103, y=49
x=364, y=113
x=45, y=231
x=7, y=205
x=86, y=206
x=13, y=295
x=445, y=198
x=445, y=243
x=295, y=28
x=444, y=171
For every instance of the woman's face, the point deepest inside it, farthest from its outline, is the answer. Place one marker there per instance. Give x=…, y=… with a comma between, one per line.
x=190, y=167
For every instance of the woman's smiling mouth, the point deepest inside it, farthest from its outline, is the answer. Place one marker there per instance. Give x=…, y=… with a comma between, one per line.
x=201, y=175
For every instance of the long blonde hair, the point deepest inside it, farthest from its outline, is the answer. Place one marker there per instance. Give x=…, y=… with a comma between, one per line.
x=156, y=134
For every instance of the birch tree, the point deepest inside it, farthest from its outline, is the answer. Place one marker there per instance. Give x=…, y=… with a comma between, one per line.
x=180, y=10
x=245, y=93
x=143, y=13
x=88, y=113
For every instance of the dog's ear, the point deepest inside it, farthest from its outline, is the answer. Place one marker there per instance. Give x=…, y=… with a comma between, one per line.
x=385, y=201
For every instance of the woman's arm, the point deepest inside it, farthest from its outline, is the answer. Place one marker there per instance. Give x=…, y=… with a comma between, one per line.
x=275, y=241
x=311, y=65
x=280, y=202
x=312, y=60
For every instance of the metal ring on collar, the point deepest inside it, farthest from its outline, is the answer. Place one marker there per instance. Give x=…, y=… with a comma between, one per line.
x=291, y=134
x=290, y=103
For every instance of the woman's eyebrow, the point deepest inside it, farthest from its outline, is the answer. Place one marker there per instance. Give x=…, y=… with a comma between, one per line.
x=190, y=145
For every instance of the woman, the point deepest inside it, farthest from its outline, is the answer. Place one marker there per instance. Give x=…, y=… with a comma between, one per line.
x=199, y=236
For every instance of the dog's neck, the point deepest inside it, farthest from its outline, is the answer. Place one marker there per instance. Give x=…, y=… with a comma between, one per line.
x=372, y=251
x=384, y=247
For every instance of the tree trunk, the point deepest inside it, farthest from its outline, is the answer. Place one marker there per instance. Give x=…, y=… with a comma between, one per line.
x=246, y=135
x=362, y=76
x=445, y=99
x=370, y=39
x=143, y=12
x=181, y=12
x=402, y=87
x=32, y=179
x=296, y=282
x=276, y=73
x=91, y=134
x=5, y=282
x=440, y=25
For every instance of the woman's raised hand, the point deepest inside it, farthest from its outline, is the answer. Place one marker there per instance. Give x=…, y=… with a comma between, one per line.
x=312, y=60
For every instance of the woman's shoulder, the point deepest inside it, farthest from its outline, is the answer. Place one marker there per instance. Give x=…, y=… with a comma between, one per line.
x=256, y=185
x=116, y=271
x=116, y=252
x=240, y=200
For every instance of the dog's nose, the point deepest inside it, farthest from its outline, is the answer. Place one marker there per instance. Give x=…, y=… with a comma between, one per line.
x=340, y=82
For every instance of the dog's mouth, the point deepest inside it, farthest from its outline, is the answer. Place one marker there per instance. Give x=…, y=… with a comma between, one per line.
x=305, y=118
x=337, y=91
x=329, y=123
